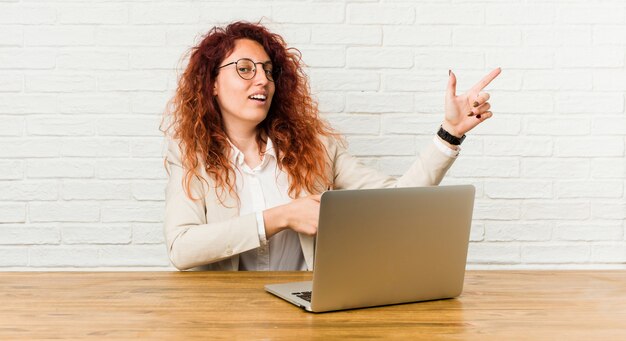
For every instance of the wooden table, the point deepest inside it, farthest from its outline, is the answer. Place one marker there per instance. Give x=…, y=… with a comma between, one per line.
x=496, y=305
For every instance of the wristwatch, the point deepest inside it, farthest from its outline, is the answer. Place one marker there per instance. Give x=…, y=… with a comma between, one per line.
x=451, y=139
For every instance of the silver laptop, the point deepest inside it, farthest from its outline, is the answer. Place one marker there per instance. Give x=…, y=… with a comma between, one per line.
x=386, y=246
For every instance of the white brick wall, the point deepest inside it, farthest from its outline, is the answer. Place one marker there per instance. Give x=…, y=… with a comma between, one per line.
x=83, y=85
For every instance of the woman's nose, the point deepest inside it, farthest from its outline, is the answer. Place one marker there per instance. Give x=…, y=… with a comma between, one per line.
x=260, y=77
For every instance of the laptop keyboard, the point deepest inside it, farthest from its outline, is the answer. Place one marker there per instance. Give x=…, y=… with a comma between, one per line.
x=305, y=295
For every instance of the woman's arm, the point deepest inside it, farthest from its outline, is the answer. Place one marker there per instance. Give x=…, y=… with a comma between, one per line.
x=191, y=241
x=349, y=173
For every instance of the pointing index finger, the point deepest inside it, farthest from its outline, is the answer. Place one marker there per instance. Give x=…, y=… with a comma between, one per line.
x=486, y=80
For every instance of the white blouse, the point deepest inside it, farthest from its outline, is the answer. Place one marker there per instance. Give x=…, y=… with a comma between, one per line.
x=261, y=188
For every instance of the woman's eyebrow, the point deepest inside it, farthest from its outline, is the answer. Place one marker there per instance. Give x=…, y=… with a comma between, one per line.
x=262, y=62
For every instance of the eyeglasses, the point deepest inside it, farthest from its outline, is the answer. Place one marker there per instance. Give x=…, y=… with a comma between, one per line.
x=246, y=68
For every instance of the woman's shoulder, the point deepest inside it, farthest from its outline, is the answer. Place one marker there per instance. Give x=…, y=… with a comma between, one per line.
x=333, y=143
x=172, y=150
x=334, y=146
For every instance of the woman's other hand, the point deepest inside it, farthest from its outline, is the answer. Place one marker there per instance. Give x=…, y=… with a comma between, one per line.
x=303, y=214
x=300, y=215
x=466, y=111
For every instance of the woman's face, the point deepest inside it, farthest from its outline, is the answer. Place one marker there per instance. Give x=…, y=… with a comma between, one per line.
x=244, y=102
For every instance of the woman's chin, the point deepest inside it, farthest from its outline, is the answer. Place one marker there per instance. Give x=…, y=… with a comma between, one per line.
x=249, y=116
x=255, y=117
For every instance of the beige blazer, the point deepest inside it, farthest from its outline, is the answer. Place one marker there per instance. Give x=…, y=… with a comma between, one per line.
x=205, y=235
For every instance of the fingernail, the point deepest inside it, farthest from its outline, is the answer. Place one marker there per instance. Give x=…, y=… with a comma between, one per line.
x=475, y=104
x=477, y=116
x=470, y=114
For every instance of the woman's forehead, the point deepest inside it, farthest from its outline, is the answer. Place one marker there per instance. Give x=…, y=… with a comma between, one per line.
x=246, y=48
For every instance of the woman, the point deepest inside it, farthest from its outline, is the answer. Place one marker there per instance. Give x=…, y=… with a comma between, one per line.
x=249, y=156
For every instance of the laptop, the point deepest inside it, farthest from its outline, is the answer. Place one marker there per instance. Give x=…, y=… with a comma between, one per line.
x=386, y=246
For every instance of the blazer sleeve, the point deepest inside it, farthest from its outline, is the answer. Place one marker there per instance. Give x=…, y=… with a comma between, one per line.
x=190, y=240
x=349, y=173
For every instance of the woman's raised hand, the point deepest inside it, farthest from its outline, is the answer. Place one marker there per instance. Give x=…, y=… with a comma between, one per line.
x=466, y=111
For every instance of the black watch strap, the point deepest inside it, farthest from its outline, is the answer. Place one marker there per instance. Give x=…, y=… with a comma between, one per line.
x=451, y=139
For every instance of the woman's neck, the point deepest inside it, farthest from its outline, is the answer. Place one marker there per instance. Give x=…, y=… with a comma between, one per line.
x=246, y=142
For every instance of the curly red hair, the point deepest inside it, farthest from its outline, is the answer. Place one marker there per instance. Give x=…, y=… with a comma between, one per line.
x=293, y=121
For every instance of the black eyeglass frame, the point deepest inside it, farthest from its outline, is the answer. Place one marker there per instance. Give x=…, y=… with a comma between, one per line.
x=274, y=73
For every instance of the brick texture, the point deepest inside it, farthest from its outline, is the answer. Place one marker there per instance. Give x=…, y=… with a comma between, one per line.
x=83, y=87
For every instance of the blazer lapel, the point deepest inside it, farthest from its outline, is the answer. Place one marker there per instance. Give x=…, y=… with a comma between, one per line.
x=308, y=242
x=308, y=249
